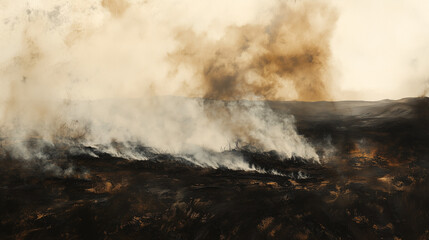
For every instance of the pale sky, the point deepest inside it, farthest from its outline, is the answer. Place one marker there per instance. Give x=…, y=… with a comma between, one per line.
x=381, y=49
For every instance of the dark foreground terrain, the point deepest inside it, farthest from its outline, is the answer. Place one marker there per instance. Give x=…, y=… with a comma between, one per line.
x=373, y=184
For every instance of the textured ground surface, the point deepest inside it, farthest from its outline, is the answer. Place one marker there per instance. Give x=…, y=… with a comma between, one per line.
x=373, y=184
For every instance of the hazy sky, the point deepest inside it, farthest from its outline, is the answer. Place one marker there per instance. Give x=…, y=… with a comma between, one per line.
x=381, y=48
x=113, y=48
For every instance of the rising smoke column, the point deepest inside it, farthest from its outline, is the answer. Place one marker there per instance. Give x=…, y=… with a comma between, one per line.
x=290, y=53
x=64, y=60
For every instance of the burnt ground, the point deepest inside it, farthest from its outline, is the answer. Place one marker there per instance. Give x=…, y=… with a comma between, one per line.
x=373, y=184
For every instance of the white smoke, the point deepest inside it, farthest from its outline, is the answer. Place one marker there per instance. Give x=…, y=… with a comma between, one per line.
x=77, y=74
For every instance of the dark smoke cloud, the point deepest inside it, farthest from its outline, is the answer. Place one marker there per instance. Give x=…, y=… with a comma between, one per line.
x=289, y=54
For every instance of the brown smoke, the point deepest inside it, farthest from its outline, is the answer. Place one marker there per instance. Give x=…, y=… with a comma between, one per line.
x=115, y=7
x=257, y=60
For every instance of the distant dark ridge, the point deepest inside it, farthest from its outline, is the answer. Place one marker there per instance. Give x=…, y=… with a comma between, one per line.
x=406, y=108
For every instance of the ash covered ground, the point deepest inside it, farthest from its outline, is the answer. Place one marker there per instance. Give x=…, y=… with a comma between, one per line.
x=372, y=183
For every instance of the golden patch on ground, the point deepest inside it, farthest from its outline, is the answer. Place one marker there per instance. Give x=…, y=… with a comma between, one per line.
x=106, y=187
x=265, y=223
x=273, y=184
x=360, y=219
x=275, y=229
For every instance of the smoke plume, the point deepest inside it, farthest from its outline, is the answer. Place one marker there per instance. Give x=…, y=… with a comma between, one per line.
x=100, y=75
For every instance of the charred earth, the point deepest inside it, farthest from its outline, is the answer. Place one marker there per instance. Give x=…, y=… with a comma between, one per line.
x=372, y=183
